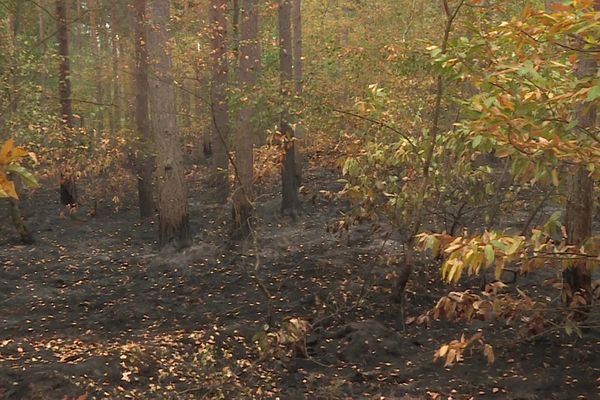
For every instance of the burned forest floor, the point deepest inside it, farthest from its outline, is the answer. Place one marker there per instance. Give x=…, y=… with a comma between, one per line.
x=93, y=310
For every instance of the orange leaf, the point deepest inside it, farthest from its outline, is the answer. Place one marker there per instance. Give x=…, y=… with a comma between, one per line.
x=6, y=149
x=7, y=187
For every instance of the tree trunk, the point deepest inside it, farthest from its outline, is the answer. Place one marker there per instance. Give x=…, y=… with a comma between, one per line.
x=218, y=97
x=247, y=75
x=580, y=197
x=235, y=27
x=115, y=115
x=42, y=39
x=68, y=190
x=172, y=189
x=204, y=151
x=13, y=22
x=94, y=43
x=15, y=214
x=79, y=28
x=290, y=202
x=145, y=149
x=186, y=105
x=298, y=85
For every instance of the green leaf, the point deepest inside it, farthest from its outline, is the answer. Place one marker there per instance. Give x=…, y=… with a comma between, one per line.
x=513, y=247
x=499, y=245
x=594, y=93
x=433, y=244
x=490, y=254
x=27, y=177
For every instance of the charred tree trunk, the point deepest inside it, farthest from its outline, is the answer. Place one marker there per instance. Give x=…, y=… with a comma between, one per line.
x=18, y=222
x=68, y=190
x=218, y=97
x=247, y=75
x=174, y=228
x=144, y=157
x=290, y=202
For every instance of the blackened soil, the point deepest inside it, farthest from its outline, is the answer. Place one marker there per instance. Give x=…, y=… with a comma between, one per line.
x=92, y=310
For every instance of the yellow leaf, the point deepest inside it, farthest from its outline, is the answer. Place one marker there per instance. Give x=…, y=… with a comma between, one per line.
x=555, y=180
x=9, y=153
x=443, y=350
x=7, y=188
x=488, y=352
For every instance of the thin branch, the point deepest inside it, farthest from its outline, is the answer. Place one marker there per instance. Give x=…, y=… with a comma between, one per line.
x=377, y=122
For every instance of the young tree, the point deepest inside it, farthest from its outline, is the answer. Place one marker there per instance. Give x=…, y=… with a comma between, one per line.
x=218, y=96
x=172, y=191
x=144, y=160
x=290, y=202
x=68, y=190
x=247, y=75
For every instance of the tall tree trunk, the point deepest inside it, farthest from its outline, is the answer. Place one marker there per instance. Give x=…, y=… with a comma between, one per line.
x=298, y=85
x=186, y=104
x=202, y=109
x=290, y=203
x=68, y=190
x=174, y=225
x=115, y=115
x=580, y=196
x=14, y=204
x=218, y=97
x=79, y=28
x=144, y=159
x=94, y=43
x=42, y=40
x=247, y=75
x=235, y=27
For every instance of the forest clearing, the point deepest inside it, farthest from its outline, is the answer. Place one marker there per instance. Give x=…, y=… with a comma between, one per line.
x=286, y=199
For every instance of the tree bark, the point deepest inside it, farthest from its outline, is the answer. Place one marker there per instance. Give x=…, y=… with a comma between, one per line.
x=13, y=22
x=186, y=105
x=247, y=75
x=290, y=202
x=68, y=190
x=204, y=151
x=116, y=123
x=235, y=27
x=145, y=149
x=298, y=84
x=580, y=196
x=77, y=39
x=18, y=222
x=218, y=97
x=94, y=43
x=42, y=40
x=174, y=226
